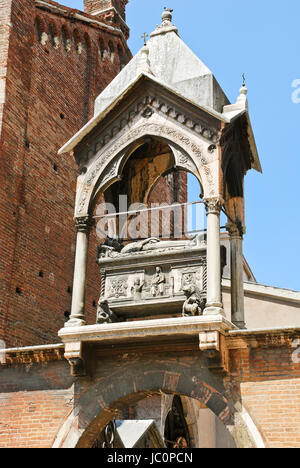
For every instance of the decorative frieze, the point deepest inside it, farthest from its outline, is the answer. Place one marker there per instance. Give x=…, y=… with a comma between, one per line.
x=146, y=107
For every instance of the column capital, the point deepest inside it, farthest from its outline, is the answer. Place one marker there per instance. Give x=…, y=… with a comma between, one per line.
x=236, y=229
x=84, y=224
x=213, y=205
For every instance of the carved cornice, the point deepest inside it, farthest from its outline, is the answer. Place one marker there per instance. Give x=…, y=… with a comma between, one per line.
x=145, y=108
x=213, y=205
x=31, y=356
x=84, y=224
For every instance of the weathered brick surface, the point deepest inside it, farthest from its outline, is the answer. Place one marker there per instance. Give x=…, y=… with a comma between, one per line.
x=55, y=65
x=263, y=378
x=269, y=385
x=34, y=404
x=50, y=91
x=94, y=6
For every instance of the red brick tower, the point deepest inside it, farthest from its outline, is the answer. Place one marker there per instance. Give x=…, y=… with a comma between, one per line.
x=54, y=61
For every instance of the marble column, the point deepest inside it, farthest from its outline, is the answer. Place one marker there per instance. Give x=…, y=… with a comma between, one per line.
x=237, y=274
x=214, y=295
x=77, y=317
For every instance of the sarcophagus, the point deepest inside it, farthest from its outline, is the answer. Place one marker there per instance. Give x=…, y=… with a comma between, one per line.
x=152, y=278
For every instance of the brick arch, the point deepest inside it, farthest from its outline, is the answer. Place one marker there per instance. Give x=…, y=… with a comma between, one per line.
x=87, y=41
x=111, y=49
x=40, y=27
x=101, y=45
x=76, y=36
x=66, y=35
x=53, y=29
x=118, y=390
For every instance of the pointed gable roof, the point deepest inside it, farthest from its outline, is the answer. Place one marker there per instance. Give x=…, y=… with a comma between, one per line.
x=167, y=61
x=174, y=65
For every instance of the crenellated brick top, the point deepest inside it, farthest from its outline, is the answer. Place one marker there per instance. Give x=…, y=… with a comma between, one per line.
x=94, y=7
x=111, y=18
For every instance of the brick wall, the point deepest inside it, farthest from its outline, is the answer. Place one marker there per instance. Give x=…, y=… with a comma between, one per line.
x=4, y=37
x=34, y=403
x=268, y=382
x=56, y=66
x=37, y=393
x=94, y=6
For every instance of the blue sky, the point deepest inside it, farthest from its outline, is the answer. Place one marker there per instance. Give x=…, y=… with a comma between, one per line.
x=262, y=40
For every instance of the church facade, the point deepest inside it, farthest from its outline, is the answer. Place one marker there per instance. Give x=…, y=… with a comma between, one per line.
x=161, y=340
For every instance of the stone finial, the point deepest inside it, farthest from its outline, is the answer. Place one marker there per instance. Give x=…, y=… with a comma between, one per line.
x=144, y=62
x=166, y=25
x=241, y=102
x=167, y=17
x=242, y=99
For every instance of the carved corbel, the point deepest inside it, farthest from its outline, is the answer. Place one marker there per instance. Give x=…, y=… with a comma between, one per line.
x=213, y=346
x=74, y=354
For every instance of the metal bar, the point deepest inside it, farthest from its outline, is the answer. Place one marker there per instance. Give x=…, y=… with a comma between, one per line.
x=197, y=231
x=148, y=209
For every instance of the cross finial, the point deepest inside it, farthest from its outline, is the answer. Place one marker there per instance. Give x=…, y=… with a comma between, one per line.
x=144, y=36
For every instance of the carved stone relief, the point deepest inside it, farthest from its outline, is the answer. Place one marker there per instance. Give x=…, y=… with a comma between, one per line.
x=137, y=285
x=195, y=302
x=158, y=283
x=117, y=287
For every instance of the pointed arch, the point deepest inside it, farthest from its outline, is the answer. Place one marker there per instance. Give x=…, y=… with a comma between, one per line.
x=106, y=165
x=106, y=397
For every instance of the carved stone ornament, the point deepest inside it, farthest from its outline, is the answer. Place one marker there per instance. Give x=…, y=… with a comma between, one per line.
x=56, y=42
x=118, y=288
x=68, y=45
x=105, y=314
x=158, y=283
x=213, y=205
x=114, y=249
x=80, y=48
x=137, y=288
x=44, y=38
x=148, y=112
x=149, y=104
x=84, y=224
x=195, y=302
x=166, y=24
x=152, y=277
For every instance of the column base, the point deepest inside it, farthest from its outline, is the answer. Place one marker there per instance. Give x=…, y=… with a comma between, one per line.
x=239, y=324
x=74, y=322
x=214, y=310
